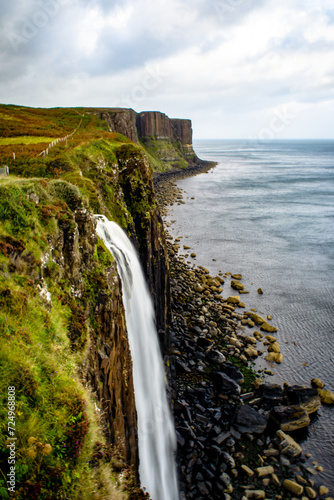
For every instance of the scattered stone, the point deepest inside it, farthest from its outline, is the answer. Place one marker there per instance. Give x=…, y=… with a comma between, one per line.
x=265, y=471
x=255, y=494
x=232, y=371
x=323, y=490
x=274, y=347
x=327, y=397
x=236, y=276
x=224, y=384
x=237, y=285
x=293, y=487
x=251, y=352
x=270, y=338
x=249, y=420
x=274, y=356
x=193, y=255
x=260, y=291
x=198, y=288
x=310, y=492
x=233, y=299
x=275, y=480
x=288, y=445
x=268, y=328
x=247, y=470
x=258, y=320
x=216, y=357
x=203, y=489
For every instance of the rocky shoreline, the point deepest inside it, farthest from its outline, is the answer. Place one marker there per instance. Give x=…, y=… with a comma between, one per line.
x=231, y=424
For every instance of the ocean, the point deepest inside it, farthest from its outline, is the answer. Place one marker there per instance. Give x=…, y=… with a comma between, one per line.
x=267, y=211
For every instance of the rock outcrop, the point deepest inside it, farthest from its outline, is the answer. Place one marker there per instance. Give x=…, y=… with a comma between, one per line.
x=122, y=121
x=168, y=141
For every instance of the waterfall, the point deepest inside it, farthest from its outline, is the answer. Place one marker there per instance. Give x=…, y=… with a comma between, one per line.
x=156, y=434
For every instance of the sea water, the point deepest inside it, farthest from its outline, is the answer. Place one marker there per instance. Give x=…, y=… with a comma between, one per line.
x=267, y=211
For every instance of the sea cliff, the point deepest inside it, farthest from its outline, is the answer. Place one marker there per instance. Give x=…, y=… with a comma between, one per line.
x=64, y=341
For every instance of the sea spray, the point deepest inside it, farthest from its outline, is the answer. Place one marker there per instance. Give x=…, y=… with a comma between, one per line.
x=156, y=434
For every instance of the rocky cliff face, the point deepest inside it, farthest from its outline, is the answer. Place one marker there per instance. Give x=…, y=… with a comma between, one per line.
x=108, y=365
x=167, y=141
x=136, y=181
x=122, y=121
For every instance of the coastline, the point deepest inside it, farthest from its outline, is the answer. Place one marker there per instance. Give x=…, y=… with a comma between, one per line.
x=202, y=166
x=205, y=338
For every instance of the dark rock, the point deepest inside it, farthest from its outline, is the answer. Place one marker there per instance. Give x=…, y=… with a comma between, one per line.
x=216, y=357
x=204, y=342
x=203, y=489
x=302, y=396
x=222, y=437
x=249, y=420
x=272, y=395
x=182, y=366
x=180, y=439
x=289, y=418
x=224, y=384
x=232, y=371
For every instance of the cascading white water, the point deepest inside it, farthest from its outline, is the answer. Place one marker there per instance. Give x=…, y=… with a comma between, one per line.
x=156, y=434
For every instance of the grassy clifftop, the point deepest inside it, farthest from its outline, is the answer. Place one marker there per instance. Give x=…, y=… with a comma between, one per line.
x=51, y=277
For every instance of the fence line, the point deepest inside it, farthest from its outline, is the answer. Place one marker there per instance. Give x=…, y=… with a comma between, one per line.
x=59, y=139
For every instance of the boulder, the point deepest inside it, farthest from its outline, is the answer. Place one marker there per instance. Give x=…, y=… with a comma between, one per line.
x=232, y=371
x=255, y=494
x=303, y=396
x=293, y=487
x=288, y=445
x=316, y=382
x=249, y=472
x=270, y=338
x=215, y=357
x=249, y=420
x=224, y=384
x=251, y=352
x=258, y=320
x=326, y=397
x=237, y=285
x=289, y=418
x=272, y=394
x=275, y=356
x=233, y=299
x=264, y=471
x=268, y=328
x=274, y=347
x=237, y=276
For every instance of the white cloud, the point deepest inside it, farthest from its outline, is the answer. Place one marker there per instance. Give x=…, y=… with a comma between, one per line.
x=225, y=69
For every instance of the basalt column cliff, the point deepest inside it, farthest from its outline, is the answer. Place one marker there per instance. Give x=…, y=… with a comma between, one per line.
x=167, y=141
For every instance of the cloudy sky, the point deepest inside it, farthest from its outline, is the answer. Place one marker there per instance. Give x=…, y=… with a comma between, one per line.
x=237, y=68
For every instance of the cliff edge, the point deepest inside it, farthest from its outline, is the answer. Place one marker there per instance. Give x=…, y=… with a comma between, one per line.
x=166, y=141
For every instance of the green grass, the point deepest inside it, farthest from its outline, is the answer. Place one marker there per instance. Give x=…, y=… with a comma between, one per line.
x=41, y=347
x=24, y=140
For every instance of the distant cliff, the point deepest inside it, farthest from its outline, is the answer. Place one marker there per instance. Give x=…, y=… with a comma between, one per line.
x=167, y=141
